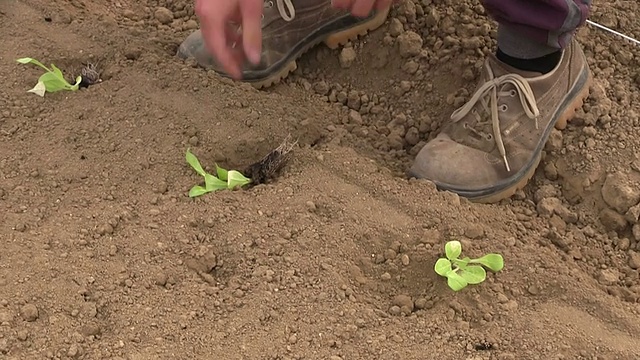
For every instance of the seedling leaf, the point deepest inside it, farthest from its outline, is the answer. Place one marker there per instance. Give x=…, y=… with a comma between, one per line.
x=52, y=83
x=197, y=191
x=463, y=272
x=453, y=249
x=456, y=282
x=53, y=79
x=442, y=267
x=225, y=179
x=212, y=183
x=493, y=262
x=28, y=60
x=76, y=86
x=195, y=164
x=56, y=71
x=461, y=263
x=235, y=178
x=39, y=89
x=473, y=274
x=222, y=173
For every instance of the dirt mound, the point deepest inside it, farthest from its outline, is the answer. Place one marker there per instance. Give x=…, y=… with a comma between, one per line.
x=106, y=257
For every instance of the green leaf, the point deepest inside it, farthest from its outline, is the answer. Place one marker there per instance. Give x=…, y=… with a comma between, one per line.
x=53, y=79
x=473, y=274
x=39, y=89
x=456, y=282
x=28, y=60
x=52, y=83
x=442, y=267
x=235, y=178
x=67, y=86
x=461, y=263
x=453, y=249
x=222, y=173
x=493, y=262
x=56, y=71
x=76, y=86
x=197, y=191
x=212, y=183
x=195, y=164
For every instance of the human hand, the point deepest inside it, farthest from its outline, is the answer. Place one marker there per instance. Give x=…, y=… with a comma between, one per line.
x=362, y=8
x=219, y=23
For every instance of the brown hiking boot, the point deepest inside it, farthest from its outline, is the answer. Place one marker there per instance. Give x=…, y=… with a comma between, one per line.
x=493, y=144
x=290, y=28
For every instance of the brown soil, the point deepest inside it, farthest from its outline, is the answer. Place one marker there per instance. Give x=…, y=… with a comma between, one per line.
x=104, y=256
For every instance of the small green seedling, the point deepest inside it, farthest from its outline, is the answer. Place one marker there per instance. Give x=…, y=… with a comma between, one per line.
x=463, y=272
x=51, y=81
x=225, y=179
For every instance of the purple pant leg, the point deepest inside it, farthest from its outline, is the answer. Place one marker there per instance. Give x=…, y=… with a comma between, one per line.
x=532, y=28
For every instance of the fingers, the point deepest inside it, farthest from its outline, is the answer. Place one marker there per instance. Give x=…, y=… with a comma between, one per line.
x=362, y=8
x=213, y=24
x=383, y=4
x=342, y=4
x=234, y=41
x=221, y=36
x=251, y=12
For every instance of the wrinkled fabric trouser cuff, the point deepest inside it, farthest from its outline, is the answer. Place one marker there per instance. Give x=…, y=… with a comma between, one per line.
x=529, y=29
x=513, y=43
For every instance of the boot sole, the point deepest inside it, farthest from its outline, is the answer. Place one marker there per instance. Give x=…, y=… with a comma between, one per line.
x=560, y=124
x=333, y=41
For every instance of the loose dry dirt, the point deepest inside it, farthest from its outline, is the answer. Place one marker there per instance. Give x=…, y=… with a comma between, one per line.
x=104, y=256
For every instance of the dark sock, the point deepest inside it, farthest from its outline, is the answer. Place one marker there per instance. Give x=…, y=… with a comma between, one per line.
x=542, y=64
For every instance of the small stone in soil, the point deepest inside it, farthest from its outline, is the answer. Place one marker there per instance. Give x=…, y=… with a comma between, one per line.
x=29, y=312
x=347, y=57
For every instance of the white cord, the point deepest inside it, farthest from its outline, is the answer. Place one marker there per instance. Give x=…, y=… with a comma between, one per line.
x=614, y=32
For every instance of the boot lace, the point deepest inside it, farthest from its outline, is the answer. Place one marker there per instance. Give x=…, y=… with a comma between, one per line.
x=488, y=95
x=285, y=8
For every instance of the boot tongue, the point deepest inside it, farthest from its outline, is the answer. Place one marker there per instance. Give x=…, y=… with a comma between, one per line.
x=499, y=68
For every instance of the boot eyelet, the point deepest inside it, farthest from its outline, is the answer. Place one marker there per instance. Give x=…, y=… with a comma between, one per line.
x=513, y=93
x=270, y=4
x=503, y=107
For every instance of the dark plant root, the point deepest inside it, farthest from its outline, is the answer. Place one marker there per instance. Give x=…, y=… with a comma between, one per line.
x=90, y=73
x=268, y=168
